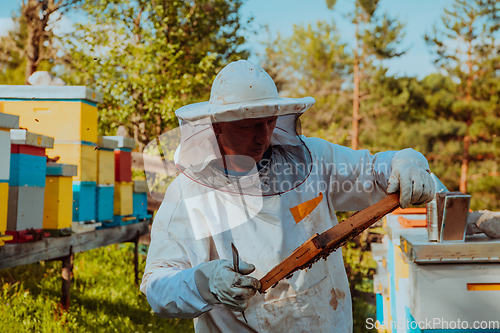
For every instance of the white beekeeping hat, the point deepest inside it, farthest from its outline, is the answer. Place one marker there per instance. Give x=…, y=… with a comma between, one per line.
x=243, y=90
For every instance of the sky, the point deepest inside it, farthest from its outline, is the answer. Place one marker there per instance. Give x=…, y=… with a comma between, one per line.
x=281, y=15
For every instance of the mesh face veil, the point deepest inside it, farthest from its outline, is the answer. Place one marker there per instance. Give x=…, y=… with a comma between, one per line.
x=198, y=157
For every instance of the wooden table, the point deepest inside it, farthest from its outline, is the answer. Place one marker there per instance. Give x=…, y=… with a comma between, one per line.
x=63, y=248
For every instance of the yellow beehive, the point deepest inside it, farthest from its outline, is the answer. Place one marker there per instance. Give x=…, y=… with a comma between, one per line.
x=106, y=161
x=4, y=200
x=63, y=112
x=105, y=167
x=62, y=120
x=84, y=156
x=58, y=204
x=401, y=267
x=123, y=203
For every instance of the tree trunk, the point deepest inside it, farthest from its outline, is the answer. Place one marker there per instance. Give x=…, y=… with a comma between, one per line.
x=467, y=139
x=158, y=125
x=465, y=164
x=31, y=52
x=355, y=99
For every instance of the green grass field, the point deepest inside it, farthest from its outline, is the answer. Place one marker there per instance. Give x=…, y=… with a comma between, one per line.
x=104, y=297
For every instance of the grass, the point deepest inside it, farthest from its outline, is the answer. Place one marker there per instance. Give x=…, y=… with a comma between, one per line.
x=104, y=297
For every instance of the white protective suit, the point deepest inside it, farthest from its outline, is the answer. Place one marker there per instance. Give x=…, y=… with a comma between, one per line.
x=200, y=218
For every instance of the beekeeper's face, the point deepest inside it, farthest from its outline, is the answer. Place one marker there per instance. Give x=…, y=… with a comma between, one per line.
x=250, y=137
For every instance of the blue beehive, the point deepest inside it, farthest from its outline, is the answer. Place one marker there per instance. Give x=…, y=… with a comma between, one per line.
x=140, y=205
x=84, y=199
x=140, y=200
x=104, y=202
x=27, y=170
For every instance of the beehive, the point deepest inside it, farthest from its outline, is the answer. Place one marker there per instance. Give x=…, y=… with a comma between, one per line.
x=43, y=109
x=7, y=122
x=79, y=153
x=123, y=158
x=58, y=205
x=123, y=201
x=25, y=209
x=106, y=161
x=84, y=196
x=27, y=181
x=105, y=202
x=141, y=199
x=4, y=200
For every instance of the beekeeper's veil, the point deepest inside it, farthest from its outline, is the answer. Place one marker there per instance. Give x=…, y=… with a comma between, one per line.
x=241, y=90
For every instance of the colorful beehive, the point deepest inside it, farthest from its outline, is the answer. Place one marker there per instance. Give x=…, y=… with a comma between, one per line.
x=7, y=122
x=452, y=281
x=106, y=161
x=123, y=203
x=123, y=158
x=27, y=184
x=140, y=198
x=105, y=181
x=58, y=205
x=83, y=154
x=396, y=268
x=84, y=194
x=435, y=286
x=67, y=113
x=105, y=203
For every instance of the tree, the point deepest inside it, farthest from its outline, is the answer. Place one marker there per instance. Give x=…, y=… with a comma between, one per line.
x=377, y=37
x=466, y=49
x=32, y=40
x=149, y=58
x=12, y=62
x=313, y=62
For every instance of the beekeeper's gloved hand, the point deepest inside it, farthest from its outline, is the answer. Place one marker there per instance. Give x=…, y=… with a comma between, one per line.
x=411, y=175
x=484, y=221
x=219, y=283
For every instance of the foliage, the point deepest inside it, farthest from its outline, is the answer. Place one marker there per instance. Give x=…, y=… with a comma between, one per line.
x=377, y=37
x=466, y=48
x=31, y=43
x=12, y=55
x=104, y=297
x=149, y=58
x=429, y=115
x=314, y=63
x=360, y=268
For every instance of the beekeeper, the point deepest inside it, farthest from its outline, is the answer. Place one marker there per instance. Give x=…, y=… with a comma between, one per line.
x=247, y=177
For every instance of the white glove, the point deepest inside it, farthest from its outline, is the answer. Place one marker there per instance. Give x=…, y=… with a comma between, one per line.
x=219, y=283
x=484, y=221
x=411, y=175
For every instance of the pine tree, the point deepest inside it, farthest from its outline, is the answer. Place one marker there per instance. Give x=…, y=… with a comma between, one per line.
x=377, y=37
x=466, y=49
x=313, y=62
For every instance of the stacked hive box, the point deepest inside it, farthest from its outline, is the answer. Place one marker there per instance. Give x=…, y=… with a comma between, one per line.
x=58, y=205
x=7, y=122
x=27, y=184
x=380, y=281
x=105, y=180
x=395, y=300
x=123, y=201
x=140, y=198
x=435, y=286
x=68, y=113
